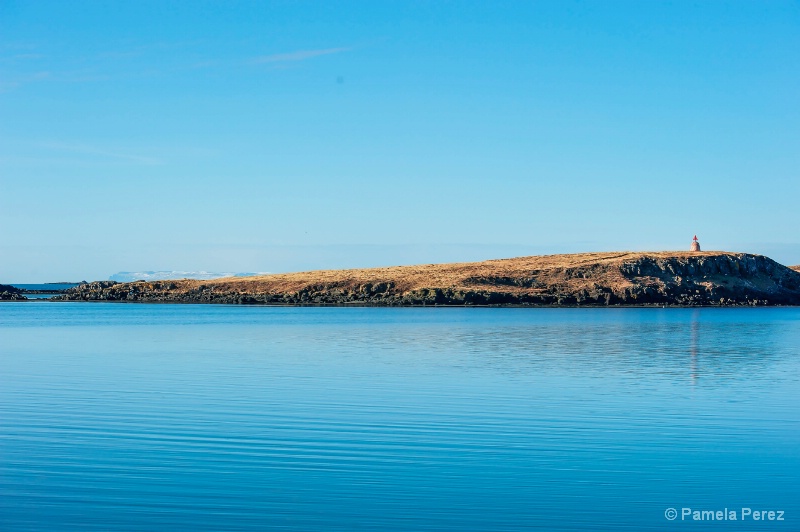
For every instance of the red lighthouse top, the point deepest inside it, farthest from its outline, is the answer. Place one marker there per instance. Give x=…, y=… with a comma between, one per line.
x=695, y=237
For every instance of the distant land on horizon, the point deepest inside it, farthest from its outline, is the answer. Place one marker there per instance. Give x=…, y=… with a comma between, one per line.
x=583, y=279
x=149, y=275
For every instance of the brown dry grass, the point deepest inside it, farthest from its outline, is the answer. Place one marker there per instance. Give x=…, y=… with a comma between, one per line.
x=569, y=271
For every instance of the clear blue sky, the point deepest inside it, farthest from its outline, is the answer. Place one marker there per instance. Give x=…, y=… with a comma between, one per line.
x=278, y=136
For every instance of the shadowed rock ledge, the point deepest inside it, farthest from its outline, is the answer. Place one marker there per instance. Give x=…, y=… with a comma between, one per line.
x=587, y=279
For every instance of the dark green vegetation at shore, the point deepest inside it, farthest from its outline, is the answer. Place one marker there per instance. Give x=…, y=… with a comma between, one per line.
x=587, y=279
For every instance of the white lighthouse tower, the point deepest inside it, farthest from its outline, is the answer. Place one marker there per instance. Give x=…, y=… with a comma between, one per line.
x=695, y=244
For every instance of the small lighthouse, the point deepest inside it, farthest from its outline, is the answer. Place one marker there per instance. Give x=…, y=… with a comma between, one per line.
x=695, y=244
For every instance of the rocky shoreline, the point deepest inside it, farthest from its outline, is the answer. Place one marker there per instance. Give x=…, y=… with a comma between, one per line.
x=9, y=293
x=589, y=279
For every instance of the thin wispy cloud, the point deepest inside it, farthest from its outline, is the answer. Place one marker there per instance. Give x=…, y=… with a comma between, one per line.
x=85, y=149
x=12, y=83
x=108, y=65
x=16, y=58
x=300, y=55
x=105, y=65
x=144, y=49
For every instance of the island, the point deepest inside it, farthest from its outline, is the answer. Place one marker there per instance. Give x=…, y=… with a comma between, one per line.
x=695, y=278
x=11, y=293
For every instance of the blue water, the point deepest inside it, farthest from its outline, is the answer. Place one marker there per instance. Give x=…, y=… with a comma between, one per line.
x=50, y=286
x=188, y=417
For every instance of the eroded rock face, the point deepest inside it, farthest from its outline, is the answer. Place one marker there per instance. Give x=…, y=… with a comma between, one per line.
x=96, y=291
x=729, y=279
x=593, y=279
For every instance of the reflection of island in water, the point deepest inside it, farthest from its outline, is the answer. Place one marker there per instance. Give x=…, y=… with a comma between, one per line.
x=695, y=338
x=637, y=345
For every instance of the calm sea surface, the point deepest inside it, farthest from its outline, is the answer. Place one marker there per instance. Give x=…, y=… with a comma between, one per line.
x=47, y=286
x=192, y=417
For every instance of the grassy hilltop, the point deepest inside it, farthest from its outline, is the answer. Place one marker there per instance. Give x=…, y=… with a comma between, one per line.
x=598, y=279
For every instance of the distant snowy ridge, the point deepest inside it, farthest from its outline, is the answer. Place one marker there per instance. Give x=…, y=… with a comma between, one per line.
x=126, y=277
